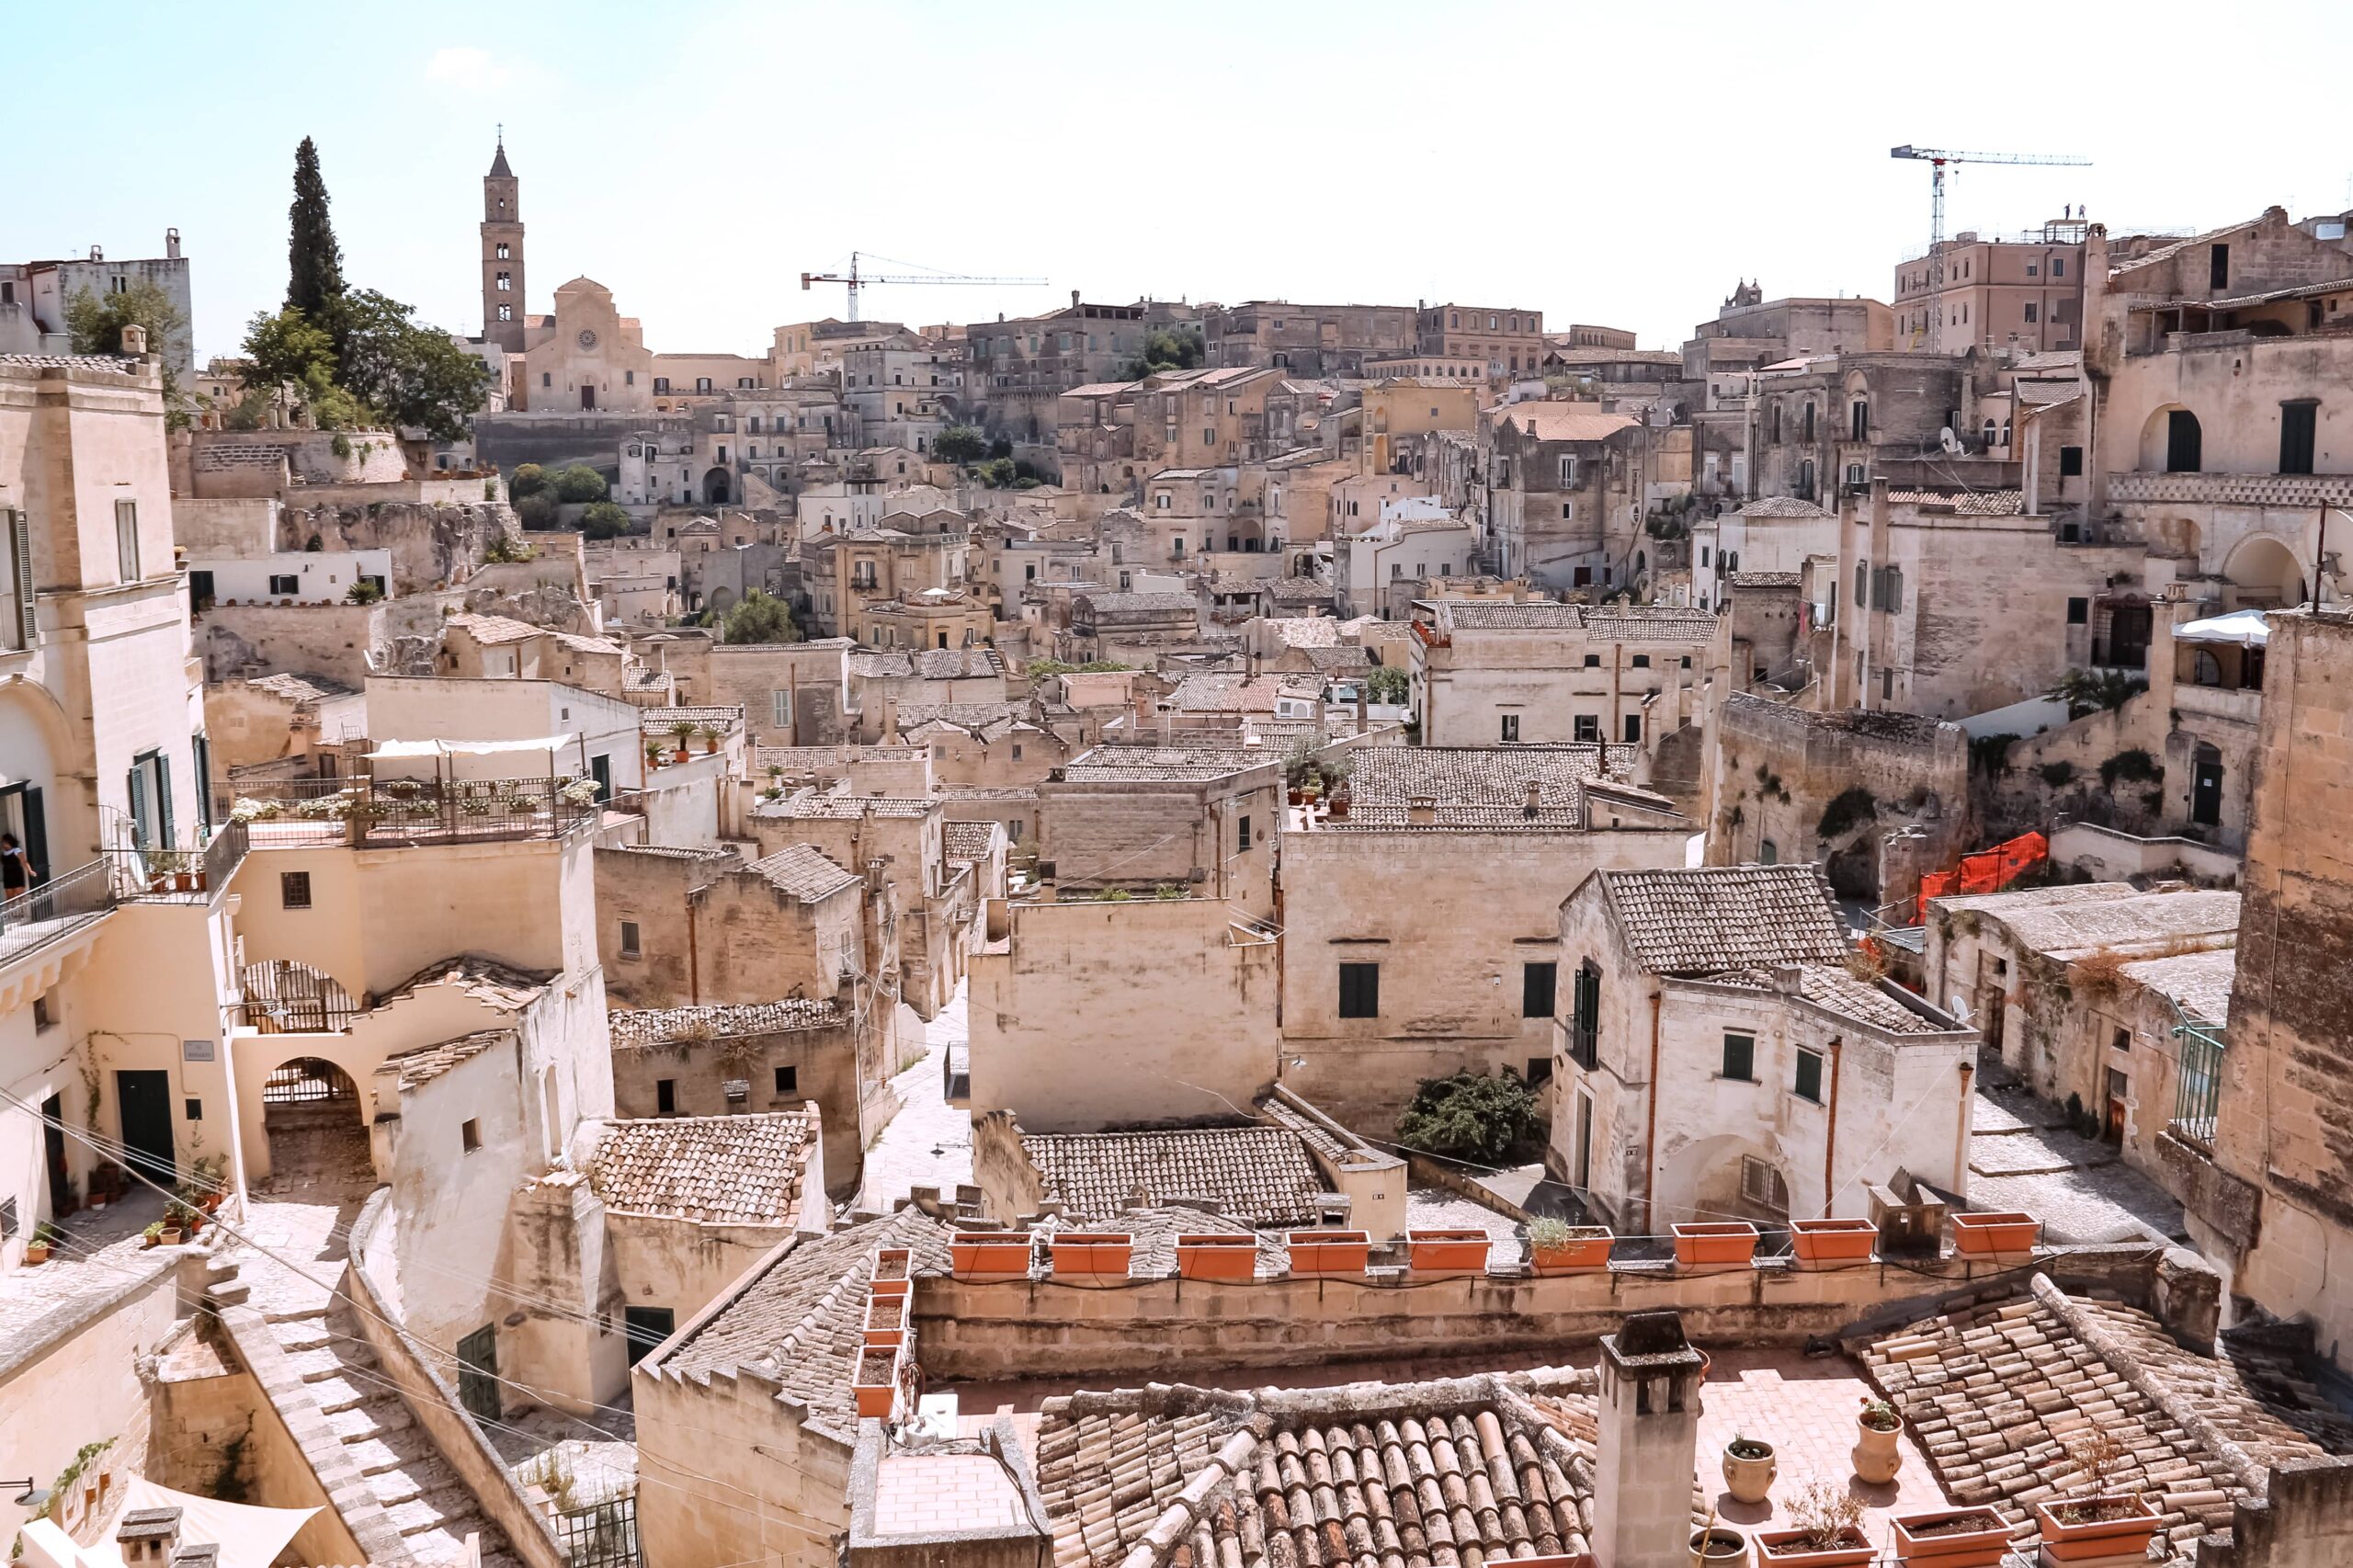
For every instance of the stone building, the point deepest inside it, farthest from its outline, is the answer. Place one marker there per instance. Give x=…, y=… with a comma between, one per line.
x=1973, y=291
x=1796, y=1084
x=34, y=296
x=1506, y=343
x=1487, y=672
x=1306, y=340
x=1561, y=491
x=901, y=842
x=502, y=255
x=1129, y=628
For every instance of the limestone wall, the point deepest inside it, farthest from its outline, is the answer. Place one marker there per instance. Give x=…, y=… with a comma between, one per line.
x=345, y=642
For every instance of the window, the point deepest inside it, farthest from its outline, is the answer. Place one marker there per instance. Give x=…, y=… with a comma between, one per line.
x=661, y=383
x=294, y=890
x=2071, y=462
x=2058, y=266
x=1537, y=981
x=2296, y=421
x=1809, y=1084
x=1588, y=728
x=781, y=709
x=2184, y=442
x=1360, y=991
x=2218, y=266
x=1640, y=661
x=630, y=948
x=1510, y=728
x=470, y=1134
x=2031, y=310
x=1761, y=1185
x=1858, y=415
x=1891, y=588
x=1769, y=853
x=1863, y=583
x=788, y=1080
x=1773, y=424
x=1740, y=1057
x=506, y=313
x=126, y=540
x=192, y=1108
x=666, y=1096
x=1634, y=728
x=1568, y=472
x=1585, y=1016
x=502, y=253
x=1242, y=838
x=2079, y=612
x=547, y=377
x=1592, y=661
x=284, y=586
x=44, y=1015
x=1805, y=427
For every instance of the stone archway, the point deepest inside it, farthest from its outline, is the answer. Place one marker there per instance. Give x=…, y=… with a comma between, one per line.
x=1724, y=1177
x=2264, y=573
x=715, y=485
x=315, y=1122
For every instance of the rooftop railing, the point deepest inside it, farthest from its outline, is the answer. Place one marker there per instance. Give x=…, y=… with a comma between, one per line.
x=379, y=812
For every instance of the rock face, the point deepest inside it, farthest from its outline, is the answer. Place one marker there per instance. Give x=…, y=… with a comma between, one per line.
x=549, y=605
x=433, y=544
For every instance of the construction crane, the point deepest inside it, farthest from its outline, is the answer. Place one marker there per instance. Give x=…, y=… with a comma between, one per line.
x=857, y=280
x=1937, y=157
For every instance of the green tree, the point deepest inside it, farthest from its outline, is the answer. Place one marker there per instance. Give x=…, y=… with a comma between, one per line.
x=1181, y=349
x=1468, y=1117
x=529, y=478
x=603, y=520
x=291, y=351
x=408, y=372
x=578, y=483
x=1387, y=684
x=960, y=444
x=314, y=262
x=2089, y=691
x=537, y=510
x=996, y=472
x=95, y=323
x=759, y=618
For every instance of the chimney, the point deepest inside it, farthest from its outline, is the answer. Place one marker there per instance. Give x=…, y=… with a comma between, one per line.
x=1074, y=299
x=1535, y=796
x=171, y=244
x=134, y=342
x=1647, y=1444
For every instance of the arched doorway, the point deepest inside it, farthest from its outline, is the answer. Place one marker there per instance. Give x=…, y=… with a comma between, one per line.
x=315, y=1123
x=2172, y=442
x=714, y=485
x=2264, y=575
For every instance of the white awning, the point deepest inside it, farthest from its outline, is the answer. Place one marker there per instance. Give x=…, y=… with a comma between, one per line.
x=470, y=748
x=2243, y=627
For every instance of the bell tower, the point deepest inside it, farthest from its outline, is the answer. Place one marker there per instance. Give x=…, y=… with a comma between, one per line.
x=502, y=253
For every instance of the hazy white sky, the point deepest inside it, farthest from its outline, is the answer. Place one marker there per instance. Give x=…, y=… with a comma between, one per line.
x=1621, y=164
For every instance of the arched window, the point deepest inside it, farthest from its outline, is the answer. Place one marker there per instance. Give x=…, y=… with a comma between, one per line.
x=2184, y=442
x=2205, y=668
x=1858, y=415
x=1773, y=424
x=1806, y=429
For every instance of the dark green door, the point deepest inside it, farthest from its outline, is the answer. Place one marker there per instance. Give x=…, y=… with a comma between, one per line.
x=144, y=1100
x=478, y=1372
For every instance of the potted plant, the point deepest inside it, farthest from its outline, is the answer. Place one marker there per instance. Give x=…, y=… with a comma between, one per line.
x=892, y=1267
x=1998, y=1236
x=877, y=1382
x=1879, y=1452
x=168, y=1232
x=1555, y=1247
x=1439, y=1251
x=1731, y=1244
x=1329, y=1252
x=1828, y=1533
x=989, y=1255
x=886, y=1321
x=1749, y=1467
x=2099, y=1525
x=153, y=1234
x=682, y=730
x=1832, y=1243
x=37, y=1246
x=710, y=738
x=1217, y=1255
x=1092, y=1254
x=1952, y=1538
x=656, y=754
x=1717, y=1544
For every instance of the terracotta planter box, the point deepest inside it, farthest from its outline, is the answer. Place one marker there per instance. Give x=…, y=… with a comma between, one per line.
x=1832, y=1243
x=1101, y=1253
x=886, y=1321
x=1729, y=1246
x=1329, y=1252
x=1857, y=1554
x=989, y=1255
x=1217, y=1255
x=1585, y=1252
x=892, y=1266
x=2127, y=1535
x=1981, y=1547
x=1447, y=1252
x=1995, y=1235
x=876, y=1385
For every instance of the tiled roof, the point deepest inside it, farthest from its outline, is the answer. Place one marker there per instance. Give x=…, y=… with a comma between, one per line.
x=718, y=1170
x=970, y=840
x=1260, y=1175
x=2077, y=926
x=1879, y=723
x=963, y=715
x=1226, y=694
x=493, y=628
x=1499, y=614
x=1707, y=919
x=839, y=808
x=1491, y=775
x=1160, y=603
x=1782, y=507
x=661, y=1026
x=484, y=979
x=115, y=363
x=1564, y=421
x=1402, y=1475
x=654, y=719
x=1963, y=502
x=1297, y=591
x=927, y=663
x=1831, y=987
x=299, y=688
x=1340, y=656
x=804, y=871
x=1114, y=764
x=1626, y=623
x=427, y=1063
x=1763, y=579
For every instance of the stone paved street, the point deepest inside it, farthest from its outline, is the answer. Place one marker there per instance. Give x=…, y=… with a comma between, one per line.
x=929, y=1142
x=2023, y=1157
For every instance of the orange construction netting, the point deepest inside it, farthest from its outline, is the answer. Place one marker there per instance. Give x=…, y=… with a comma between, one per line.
x=1988, y=871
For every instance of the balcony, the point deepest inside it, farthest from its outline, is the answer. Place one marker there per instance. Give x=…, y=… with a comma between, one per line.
x=2291, y=490
x=377, y=814
x=2198, y=1090
x=2230, y=705
x=38, y=921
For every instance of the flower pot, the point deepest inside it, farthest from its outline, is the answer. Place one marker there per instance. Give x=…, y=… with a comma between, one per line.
x=886, y=1321
x=35, y=1252
x=1717, y=1546
x=183, y=882
x=1878, y=1455
x=1092, y=1254
x=1329, y=1252
x=1217, y=1255
x=1446, y=1251
x=877, y=1383
x=1952, y=1538
x=168, y=1237
x=1995, y=1236
x=1793, y=1549
x=1832, y=1243
x=892, y=1266
x=2082, y=1530
x=710, y=744
x=989, y=1255
x=1732, y=1245
x=158, y=882
x=1749, y=1478
x=1585, y=1252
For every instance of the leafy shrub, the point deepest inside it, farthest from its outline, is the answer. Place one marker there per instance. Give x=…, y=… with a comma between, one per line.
x=537, y=510
x=1469, y=1115
x=363, y=592
x=1387, y=684
x=2134, y=766
x=1990, y=754
x=603, y=520
x=579, y=483
x=529, y=478
x=2057, y=775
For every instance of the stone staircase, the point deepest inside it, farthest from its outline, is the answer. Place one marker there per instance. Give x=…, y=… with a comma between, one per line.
x=402, y=1503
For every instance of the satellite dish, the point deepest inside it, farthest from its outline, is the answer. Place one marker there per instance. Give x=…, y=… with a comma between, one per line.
x=1949, y=442
x=1959, y=1008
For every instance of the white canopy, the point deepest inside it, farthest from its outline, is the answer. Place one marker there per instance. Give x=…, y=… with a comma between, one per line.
x=470, y=748
x=2244, y=628
x=248, y=1537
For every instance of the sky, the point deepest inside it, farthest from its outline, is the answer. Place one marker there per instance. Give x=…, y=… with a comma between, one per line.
x=1622, y=164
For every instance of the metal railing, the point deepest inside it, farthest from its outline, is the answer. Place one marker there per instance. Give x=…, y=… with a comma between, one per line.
x=2197, y=1086
x=403, y=811
x=41, y=914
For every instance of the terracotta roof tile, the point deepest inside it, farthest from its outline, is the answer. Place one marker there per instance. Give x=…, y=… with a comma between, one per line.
x=661, y=1026
x=804, y=871
x=1702, y=920
x=1260, y=1175
x=718, y=1170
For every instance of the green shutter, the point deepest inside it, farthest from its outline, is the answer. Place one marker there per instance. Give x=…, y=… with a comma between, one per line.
x=1740, y=1056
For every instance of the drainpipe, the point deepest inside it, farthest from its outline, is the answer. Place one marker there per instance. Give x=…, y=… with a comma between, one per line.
x=1830, y=1137
x=694, y=965
x=1650, y=1128
x=1961, y=1131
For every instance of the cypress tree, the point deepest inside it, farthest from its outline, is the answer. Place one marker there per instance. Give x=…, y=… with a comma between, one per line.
x=314, y=263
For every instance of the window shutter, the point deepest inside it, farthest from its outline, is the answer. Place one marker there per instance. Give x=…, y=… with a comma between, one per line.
x=20, y=544
x=139, y=806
